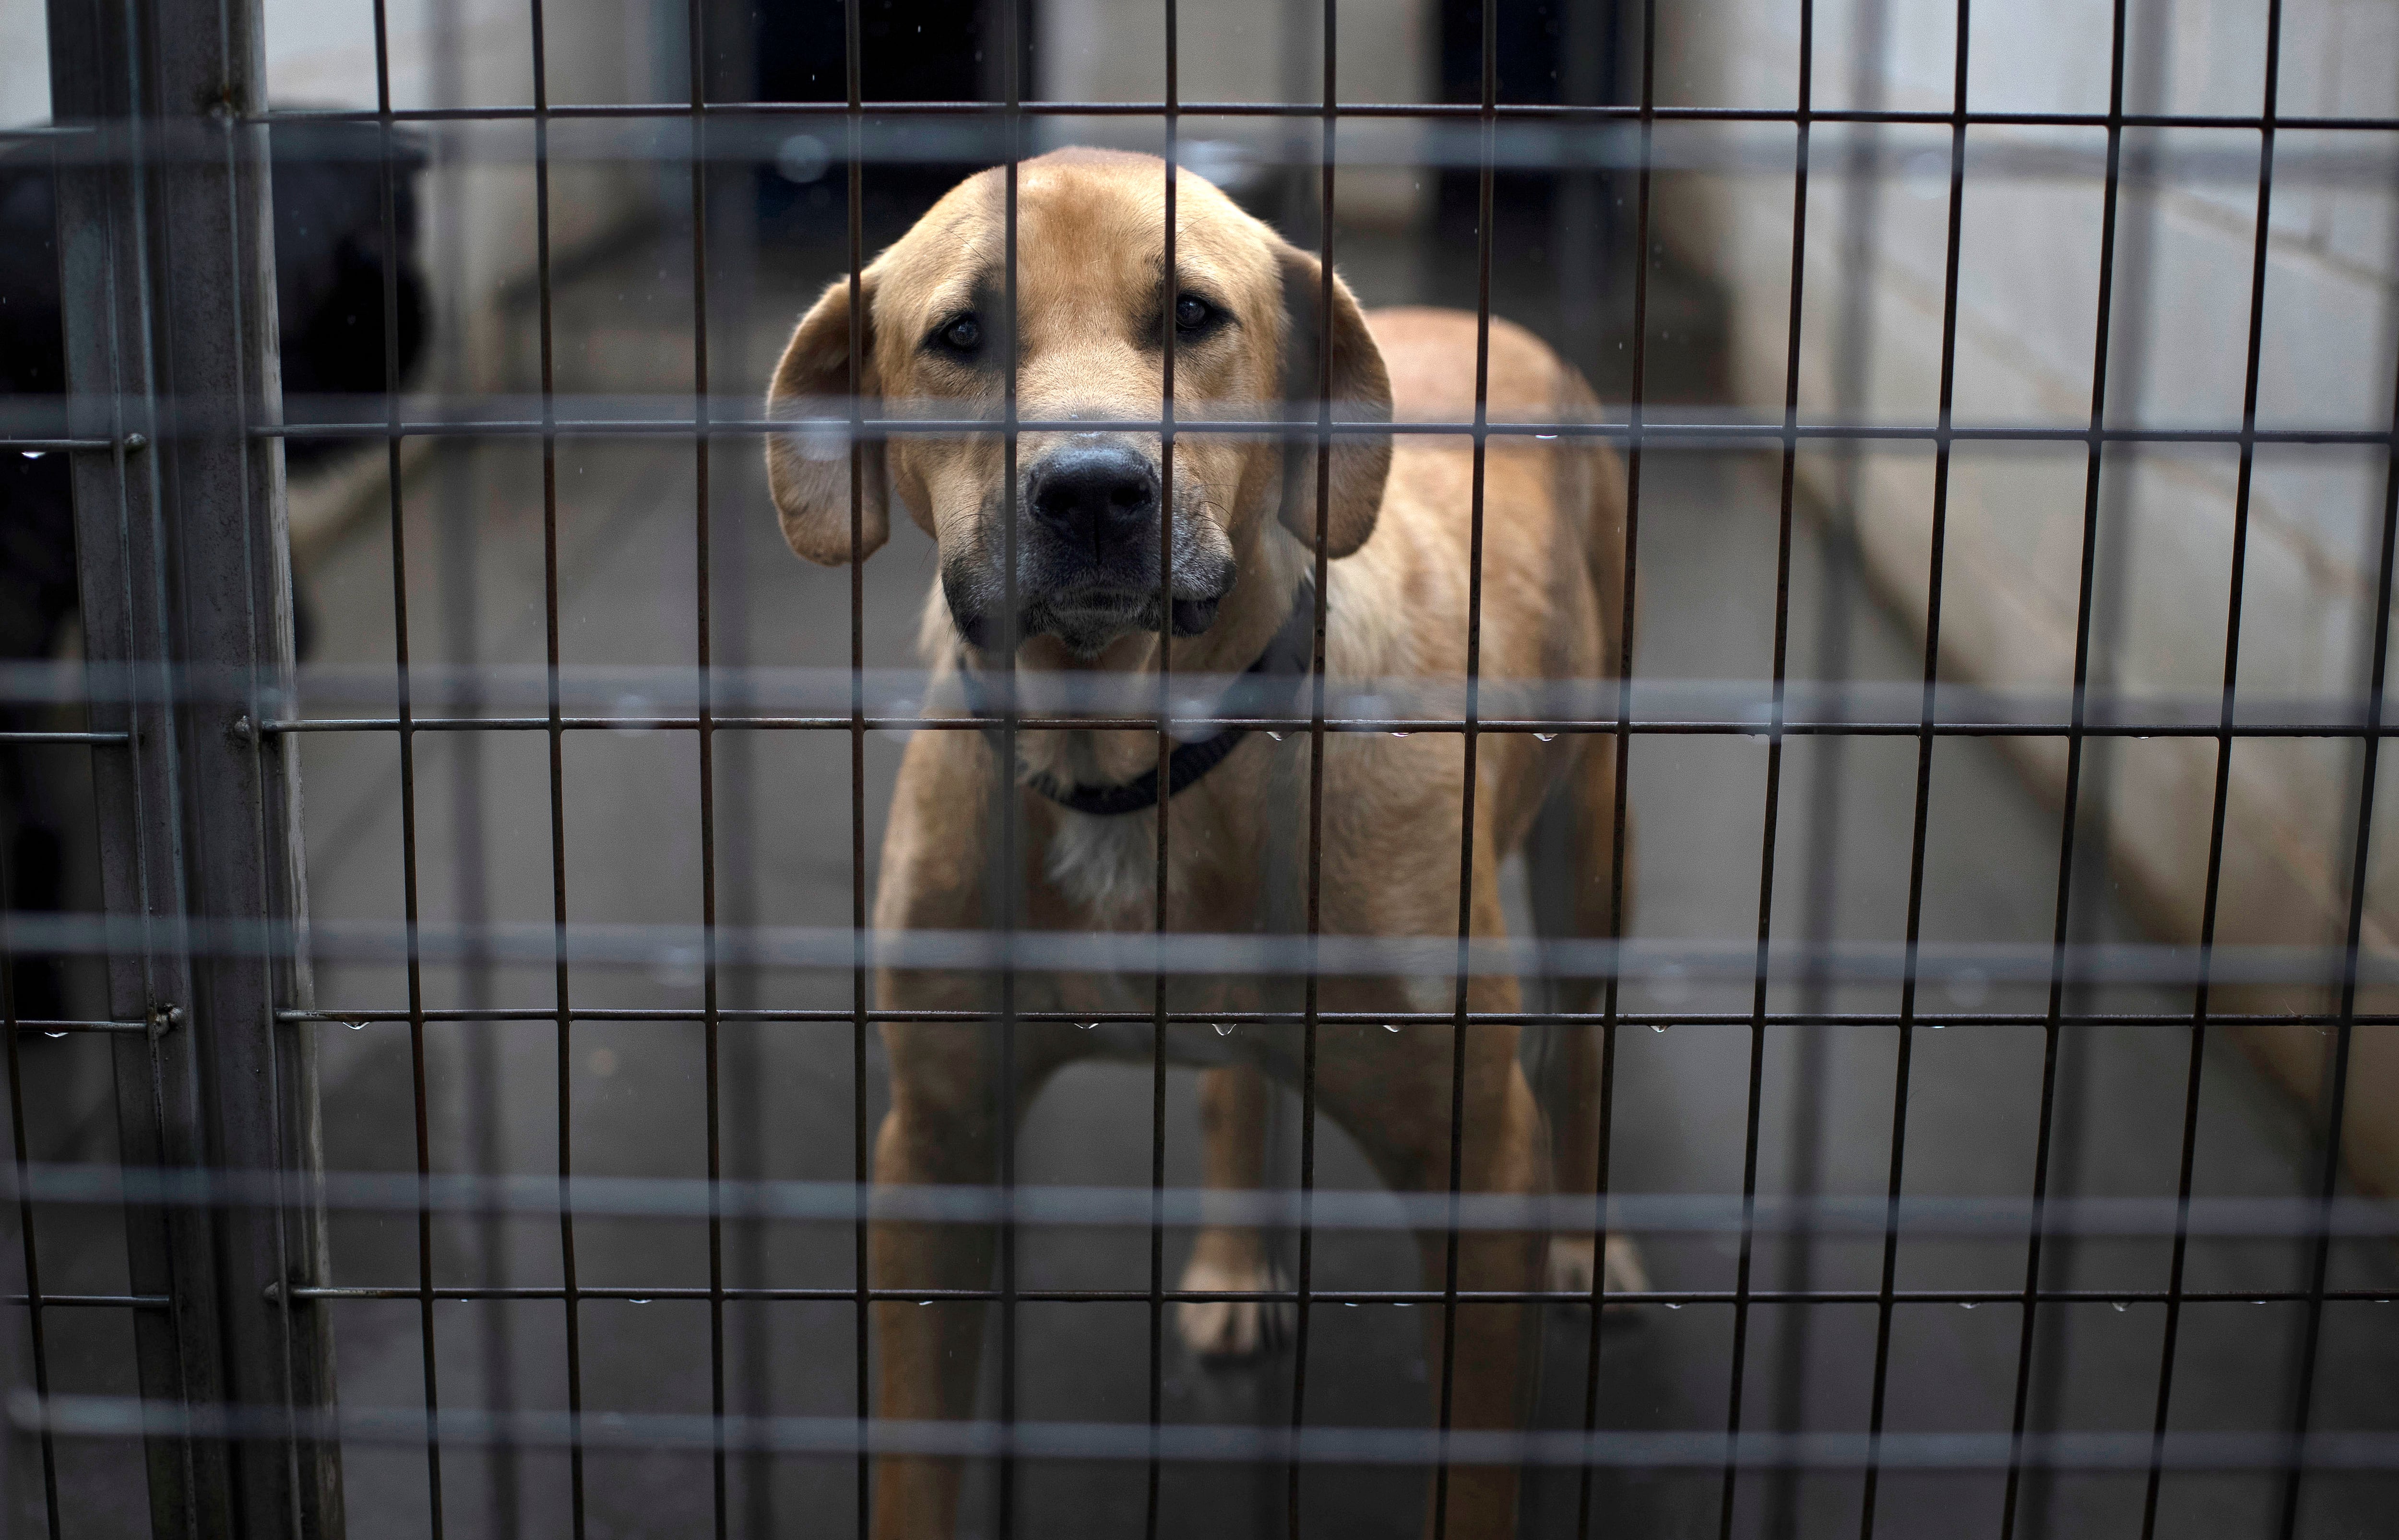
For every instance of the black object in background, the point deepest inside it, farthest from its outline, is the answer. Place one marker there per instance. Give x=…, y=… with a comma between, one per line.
x=910, y=50
x=328, y=272
x=329, y=254
x=1553, y=231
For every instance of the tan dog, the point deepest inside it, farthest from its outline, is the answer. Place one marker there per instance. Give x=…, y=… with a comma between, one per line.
x=1092, y=307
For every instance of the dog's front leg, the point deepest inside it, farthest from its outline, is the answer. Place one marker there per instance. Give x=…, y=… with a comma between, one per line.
x=941, y=1130
x=1226, y=1258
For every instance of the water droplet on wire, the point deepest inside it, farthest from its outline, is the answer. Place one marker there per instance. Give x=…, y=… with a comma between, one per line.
x=2120, y=1306
x=1965, y=1304
x=54, y=1034
x=1388, y=1027
x=1547, y=737
x=1658, y=1028
x=637, y=1302
x=1272, y=734
x=1224, y=1030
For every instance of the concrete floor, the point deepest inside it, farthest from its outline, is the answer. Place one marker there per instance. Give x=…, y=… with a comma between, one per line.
x=628, y=577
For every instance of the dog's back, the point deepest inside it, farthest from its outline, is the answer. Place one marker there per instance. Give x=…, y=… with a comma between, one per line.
x=1431, y=355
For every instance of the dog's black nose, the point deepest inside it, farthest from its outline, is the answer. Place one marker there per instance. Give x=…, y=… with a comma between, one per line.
x=1096, y=495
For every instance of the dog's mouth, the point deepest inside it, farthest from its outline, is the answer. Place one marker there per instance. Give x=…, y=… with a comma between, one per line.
x=1085, y=609
x=1091, y=619
x=1087, y=620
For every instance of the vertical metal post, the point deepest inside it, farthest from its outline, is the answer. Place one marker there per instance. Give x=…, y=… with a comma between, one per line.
x=166, y=249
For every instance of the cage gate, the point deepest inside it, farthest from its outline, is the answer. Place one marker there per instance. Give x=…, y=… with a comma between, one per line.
x=185, y=586
x=172, y=420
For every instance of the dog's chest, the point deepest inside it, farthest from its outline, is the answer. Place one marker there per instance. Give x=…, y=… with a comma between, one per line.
x=1103, y=872
x=1225, y=849
x=1105, y=867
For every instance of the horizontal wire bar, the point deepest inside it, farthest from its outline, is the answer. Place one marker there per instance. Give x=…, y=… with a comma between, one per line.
x=1317, y=111
x=411, y=1426
x=736, y=421
x=62, y=1028
x=1260, y=428
x=640, y=698
x=1672, y=962
x=1826, y=1217
x=1671, y=1298
x=30, y=737
x=1761, y=432
x=48, y=680
x=329, y=1015
x=1243, y=145
x=121, y=1301
x=1398, y=725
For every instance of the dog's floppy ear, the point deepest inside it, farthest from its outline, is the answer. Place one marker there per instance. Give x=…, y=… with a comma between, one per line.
x=807, y=469
x=1361, y=393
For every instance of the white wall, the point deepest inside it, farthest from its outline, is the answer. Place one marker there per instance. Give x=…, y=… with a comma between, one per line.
x=598, y=51
x=25, y=64
x=2028, y=292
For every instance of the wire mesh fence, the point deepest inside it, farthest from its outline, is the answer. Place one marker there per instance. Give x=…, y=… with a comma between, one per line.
x=590, y=863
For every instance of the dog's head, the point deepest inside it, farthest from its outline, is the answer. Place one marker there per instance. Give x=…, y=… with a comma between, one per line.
x=1094, y=307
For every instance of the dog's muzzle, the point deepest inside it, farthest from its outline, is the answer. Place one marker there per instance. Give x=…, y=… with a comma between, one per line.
x=1087, y=554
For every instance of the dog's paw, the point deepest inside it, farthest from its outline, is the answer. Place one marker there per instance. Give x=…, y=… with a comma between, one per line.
x=1223, y=1331
x=1570, y=1257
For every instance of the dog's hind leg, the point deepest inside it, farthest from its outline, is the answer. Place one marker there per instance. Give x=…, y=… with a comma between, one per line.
x=1571, y=864
x=1393, y=1096
x=1231, y=1258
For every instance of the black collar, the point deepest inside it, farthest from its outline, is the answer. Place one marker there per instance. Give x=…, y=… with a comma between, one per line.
x=1255, y=694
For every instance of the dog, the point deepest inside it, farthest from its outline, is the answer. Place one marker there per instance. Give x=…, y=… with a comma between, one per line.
x=1232, y=535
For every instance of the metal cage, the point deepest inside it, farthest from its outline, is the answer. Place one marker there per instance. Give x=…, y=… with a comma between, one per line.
x=173, y=422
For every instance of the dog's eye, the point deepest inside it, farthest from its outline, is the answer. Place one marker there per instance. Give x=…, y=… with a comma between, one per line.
x=963, y=334
x=1191, y=314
